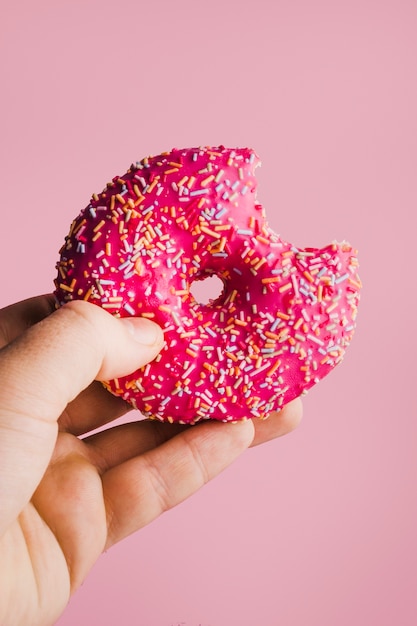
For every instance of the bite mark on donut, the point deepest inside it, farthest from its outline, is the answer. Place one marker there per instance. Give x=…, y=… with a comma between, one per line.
x=282, y=322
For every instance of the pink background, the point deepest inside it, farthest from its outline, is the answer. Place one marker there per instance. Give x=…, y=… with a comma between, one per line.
x=318, y=527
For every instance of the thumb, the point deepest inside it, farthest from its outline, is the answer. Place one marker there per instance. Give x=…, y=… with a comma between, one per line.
x=47, y=367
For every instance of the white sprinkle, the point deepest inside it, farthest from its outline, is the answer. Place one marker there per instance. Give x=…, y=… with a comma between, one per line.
x=129, y=309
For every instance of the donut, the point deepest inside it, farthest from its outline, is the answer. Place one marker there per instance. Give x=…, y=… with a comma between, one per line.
x=282, y=322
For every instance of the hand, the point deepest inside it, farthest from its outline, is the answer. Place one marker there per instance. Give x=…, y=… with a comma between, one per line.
x=63, y=499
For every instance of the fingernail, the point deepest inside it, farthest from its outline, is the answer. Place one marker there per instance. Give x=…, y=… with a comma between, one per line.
x=144, y=331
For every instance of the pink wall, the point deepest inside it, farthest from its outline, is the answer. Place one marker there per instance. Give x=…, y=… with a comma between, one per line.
x=318, y=528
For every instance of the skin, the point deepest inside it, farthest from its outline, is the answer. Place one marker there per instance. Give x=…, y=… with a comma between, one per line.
x=66, y=495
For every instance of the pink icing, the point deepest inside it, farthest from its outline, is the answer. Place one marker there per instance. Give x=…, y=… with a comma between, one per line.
x=283, y=321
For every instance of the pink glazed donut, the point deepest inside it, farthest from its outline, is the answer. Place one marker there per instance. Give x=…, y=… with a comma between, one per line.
x=282, y=322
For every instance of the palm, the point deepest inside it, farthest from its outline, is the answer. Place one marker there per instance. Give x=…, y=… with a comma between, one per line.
x=98, y=488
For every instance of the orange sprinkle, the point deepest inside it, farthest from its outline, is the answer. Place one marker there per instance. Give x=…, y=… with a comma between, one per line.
x=283, y=316
x=298, y=323
x=272, y=279
x=153, y=184
x=209, y=232
x=210, y=368
x=273, y=368
x=271, y=335
x=320, y=293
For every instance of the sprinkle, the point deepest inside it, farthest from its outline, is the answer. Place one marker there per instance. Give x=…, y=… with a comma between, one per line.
x=199, y=192
x=207, y=180
x=341, y=279
x=271, y=279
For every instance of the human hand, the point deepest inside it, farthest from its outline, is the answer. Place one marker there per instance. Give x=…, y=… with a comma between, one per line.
x=63, y=499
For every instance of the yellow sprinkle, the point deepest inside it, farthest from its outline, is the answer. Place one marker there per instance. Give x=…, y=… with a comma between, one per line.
x=332, y=307
x=139, y=267
x=285, y=287
x=259, y=264
x=191, y=182
x=355, y=283
x=207, y=180
x=182, y=182
x=96, y=236
x=66, y=288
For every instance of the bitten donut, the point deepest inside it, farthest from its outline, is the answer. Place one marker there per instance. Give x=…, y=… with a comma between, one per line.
x=282, y=322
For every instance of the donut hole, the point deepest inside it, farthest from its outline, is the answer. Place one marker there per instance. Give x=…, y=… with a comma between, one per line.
x=207, y=289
